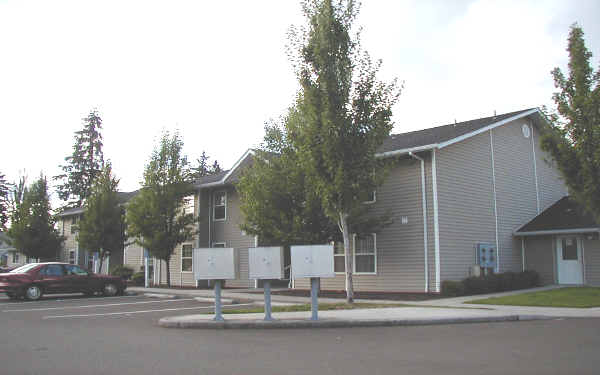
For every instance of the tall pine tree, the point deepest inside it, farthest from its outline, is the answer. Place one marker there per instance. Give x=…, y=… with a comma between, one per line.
x=4, y=202
x=84, y=164
x=574, y=137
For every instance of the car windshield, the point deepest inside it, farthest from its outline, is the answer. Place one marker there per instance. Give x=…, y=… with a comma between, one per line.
x=24, y=268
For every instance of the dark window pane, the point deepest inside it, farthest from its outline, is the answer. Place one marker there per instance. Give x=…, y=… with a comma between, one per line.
x=219, y=212
x=186, y=251
x=339, y=264
x=569, y=249
x=186, y=265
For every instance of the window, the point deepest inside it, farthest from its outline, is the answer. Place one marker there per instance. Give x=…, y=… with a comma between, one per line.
x=339, y=260
x=72, y=257
x=569, y=248
x=189, y=205
x=220, y=206
x=52, y=270
x=371, y=197
x=219, y=244
x=76, y=270
x=365, y=254
x=74, y=221
x=15, y=257
x=186, y=258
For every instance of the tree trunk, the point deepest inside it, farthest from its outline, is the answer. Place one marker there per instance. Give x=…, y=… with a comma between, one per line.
x=168, y=273
x=347, y=256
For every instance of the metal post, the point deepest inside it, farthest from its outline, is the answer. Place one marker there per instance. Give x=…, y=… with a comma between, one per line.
x=267, y=289
x=218, y=314
x=314, y=297
x=146, y=281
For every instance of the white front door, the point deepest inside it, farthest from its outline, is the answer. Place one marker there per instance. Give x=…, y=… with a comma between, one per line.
x=569, y=260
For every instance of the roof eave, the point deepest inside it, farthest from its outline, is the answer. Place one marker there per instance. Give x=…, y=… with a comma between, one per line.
x=222, y=181
x=404, y=151
x=555, y=231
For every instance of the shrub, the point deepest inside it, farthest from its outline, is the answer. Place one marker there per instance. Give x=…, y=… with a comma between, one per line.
x=138, y=279
x=499, y=282
x=453, y=288
x=122, y=271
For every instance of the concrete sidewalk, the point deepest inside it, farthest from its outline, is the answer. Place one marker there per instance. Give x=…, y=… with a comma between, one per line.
x=437, y=311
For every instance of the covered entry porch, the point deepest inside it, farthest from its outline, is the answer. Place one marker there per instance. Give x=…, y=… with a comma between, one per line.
x=562, y=244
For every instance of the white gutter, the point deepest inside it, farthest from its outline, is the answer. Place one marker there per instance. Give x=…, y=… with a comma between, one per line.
x=425, y=232
x=537, y=188
x=556, y=231
x=495, y=202
x=486, y=128
x=436, y=224
x=405, y=151
x=523, y=252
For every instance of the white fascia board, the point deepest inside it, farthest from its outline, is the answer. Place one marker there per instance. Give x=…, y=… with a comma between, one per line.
x=235, y=166
x=556, y=231
x=485, y=129
x=403, y=151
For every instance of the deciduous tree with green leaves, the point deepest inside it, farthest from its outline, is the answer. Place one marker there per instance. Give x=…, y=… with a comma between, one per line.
x=345, y=113
x=84, y=164
x=156, y=217
x=573, y=141
x=4, y=201
x=32, y=229
x=102, y=227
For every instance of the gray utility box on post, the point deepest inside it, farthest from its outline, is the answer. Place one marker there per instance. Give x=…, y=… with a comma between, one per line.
x=312, y=261
x=265, y=263
x=486, y=255
x=215, y=264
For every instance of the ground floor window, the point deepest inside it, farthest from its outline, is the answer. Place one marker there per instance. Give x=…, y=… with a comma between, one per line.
x=218, y=244
x=365, y=254
x=71, y=256
x=15, y=257
x=186, y=258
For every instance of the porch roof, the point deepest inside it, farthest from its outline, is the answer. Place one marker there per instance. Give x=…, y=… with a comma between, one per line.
x=564, y=216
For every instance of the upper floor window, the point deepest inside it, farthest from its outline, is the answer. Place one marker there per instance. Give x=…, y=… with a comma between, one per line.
x=74, y=221
x=371, y=197
x=220, y=206
x=189, y=204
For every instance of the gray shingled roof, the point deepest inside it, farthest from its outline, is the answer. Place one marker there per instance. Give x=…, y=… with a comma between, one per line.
x=565, y=214
x=212, y=178
x=441, y=133
x=122, y=196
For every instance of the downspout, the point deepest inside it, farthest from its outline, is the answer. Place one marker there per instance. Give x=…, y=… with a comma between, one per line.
x=436, y=223
x=537, y=188
x=425, y=233
x=495, y=202
x=523, y=251
x=198, y=196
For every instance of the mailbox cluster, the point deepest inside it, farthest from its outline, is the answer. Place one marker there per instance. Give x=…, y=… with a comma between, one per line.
x=264, y=263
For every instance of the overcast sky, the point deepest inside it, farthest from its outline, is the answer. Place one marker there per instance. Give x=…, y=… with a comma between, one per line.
x=217, y=70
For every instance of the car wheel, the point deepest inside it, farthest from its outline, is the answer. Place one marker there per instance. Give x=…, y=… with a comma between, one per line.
x=33, y=293
x=89, y=293
x=12, y=296
x=110, y=290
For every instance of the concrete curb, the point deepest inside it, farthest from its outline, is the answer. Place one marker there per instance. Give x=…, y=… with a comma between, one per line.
x=160, y=295
x=174, y=322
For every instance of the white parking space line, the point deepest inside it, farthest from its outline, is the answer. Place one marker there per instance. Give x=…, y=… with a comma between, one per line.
x=100, y=305
x=138, y=312
x=70, y=298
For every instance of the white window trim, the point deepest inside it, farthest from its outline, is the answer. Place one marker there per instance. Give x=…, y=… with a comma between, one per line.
x=219, y=243
x=214, y=205
x=374, y=254
x=374, y=198
x=74, y=257
x=343, y=255
x=182, y=258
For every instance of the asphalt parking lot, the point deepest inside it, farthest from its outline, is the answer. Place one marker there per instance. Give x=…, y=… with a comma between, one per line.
x=119, y=335
x=139, y=308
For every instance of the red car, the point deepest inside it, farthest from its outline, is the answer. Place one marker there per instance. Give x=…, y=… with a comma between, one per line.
x=35, y=279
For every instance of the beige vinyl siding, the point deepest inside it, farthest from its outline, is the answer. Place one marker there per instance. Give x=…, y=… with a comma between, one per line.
x=465, y=203
x=539, y=256
x=591, y=249
x=551, y=186
x=70, y=242
x=400, y=251
x=134, y=257
x=515, y=189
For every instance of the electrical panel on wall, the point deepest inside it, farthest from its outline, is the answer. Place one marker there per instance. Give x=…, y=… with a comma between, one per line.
x=487, y=255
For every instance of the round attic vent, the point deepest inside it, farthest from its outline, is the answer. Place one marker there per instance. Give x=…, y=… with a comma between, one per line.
x=526, y=130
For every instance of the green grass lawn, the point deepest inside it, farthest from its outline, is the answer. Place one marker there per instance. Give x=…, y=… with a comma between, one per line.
x=562, y=297
x=306, y=307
